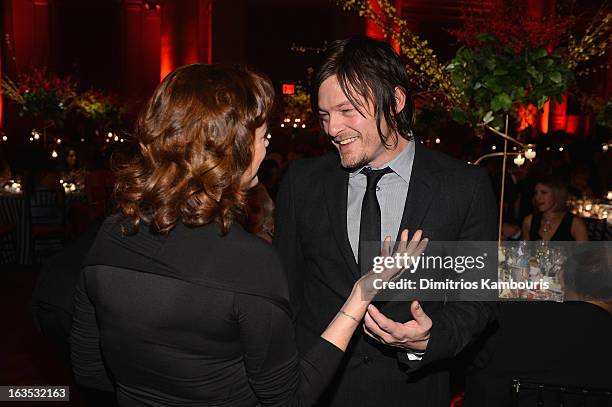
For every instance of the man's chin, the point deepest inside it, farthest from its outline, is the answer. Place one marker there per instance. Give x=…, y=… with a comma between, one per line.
x=352, y=165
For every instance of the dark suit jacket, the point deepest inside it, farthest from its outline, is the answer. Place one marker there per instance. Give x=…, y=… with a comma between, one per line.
x=449, y=200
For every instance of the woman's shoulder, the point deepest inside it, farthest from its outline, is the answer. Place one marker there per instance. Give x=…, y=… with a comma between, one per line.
x=251, y=251
x=244, y=263
x=233, y=255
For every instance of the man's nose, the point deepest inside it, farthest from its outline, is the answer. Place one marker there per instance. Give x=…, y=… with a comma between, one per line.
x=335, y=126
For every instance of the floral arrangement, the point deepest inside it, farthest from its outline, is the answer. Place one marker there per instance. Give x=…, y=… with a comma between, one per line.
x=593, y=44
x=499, y=79
x=101, y=108
x=51, y=98
x=297, y=105
x=41, y=95
x=511, y=28
x=426, y=72
x=507, y=62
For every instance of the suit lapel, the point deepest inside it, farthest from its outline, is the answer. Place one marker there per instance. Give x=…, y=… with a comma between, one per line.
x=336, y=195
x=424, y=186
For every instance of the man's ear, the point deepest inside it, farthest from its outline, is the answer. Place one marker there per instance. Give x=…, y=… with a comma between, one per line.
x=400, y=99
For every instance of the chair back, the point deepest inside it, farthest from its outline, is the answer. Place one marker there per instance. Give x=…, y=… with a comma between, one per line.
x=46, y=207
x=530, y=393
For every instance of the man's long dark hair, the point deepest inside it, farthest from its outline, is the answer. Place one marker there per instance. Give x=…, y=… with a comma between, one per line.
x=371, y=70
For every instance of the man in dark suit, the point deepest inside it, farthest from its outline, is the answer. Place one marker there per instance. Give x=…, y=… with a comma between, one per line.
x=380, y=182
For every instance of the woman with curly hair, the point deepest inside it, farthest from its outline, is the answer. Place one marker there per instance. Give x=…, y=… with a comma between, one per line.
x=177, y=304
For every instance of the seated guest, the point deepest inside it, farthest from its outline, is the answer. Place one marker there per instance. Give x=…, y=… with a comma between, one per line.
x=70, y=168
x=99, y=184
x=561, y=344
x=179, y=305
x=552, y=221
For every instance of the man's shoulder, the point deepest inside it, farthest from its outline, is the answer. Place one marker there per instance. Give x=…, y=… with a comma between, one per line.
x=450, y=165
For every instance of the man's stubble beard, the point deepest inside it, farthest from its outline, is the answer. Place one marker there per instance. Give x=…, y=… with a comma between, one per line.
x=355, y=164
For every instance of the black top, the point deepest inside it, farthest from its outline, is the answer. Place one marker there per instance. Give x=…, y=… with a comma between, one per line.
x=191, y=318
x=562, y=234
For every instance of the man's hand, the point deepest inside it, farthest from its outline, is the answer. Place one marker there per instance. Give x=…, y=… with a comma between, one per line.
x=412, y=335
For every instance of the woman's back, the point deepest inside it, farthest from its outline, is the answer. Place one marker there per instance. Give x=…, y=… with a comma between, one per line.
x=191, y=318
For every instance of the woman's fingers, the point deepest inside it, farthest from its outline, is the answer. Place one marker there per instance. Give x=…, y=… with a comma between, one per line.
x=386, y=249
x=414, y=241
x=403, y=241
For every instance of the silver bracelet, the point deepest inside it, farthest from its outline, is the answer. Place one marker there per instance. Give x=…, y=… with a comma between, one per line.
x=350, y=316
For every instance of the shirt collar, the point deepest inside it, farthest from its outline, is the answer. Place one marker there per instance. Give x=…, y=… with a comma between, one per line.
x=401, y=165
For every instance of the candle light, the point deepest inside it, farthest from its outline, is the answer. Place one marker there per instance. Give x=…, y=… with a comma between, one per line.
x=530, y=153
x=519, y=160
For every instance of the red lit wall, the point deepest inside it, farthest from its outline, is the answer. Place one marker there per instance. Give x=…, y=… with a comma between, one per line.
x=186, y=33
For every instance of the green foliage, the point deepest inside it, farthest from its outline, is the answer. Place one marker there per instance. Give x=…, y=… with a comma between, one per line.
x=604, y=117
x=495, y=81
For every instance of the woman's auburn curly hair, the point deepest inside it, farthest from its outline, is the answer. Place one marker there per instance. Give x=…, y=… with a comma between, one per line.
x=195, y=138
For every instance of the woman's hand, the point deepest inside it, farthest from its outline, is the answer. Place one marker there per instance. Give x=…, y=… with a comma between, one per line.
x=365, y=286
x=347, y=319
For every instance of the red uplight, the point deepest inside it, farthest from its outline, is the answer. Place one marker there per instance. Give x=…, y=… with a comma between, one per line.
x=288, y=89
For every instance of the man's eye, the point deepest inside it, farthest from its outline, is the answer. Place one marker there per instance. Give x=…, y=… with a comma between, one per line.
x=346, y=110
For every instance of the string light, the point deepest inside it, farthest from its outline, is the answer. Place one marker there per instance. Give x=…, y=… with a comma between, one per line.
x=493, y=148
x=438, y=141
x=4, y=138
x=58, y=141
x=54, y=154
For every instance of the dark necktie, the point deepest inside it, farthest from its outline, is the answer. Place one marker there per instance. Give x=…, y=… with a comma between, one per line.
x=369, y=229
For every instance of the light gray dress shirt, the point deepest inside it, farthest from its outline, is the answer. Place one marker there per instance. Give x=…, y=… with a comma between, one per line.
x=391, y=193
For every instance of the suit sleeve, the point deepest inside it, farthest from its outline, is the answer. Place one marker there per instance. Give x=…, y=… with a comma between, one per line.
x=286, y=238
x=87, y=364
x=457, y=324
